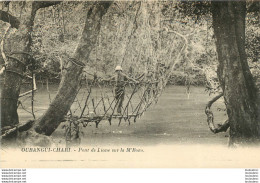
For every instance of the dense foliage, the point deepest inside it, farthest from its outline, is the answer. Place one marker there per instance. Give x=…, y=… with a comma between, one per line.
x=134, y=34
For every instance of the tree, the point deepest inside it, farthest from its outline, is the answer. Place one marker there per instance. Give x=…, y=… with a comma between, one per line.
x=234, y=76
x=70, y=82
x=236, y=80
x=18, y=57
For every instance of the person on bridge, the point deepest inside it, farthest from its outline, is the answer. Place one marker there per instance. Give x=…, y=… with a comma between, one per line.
x=121, y=79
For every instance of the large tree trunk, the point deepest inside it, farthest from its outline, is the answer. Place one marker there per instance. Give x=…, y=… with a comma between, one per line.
x=70, y=82
x=17, y=58
x=236, y=80
x=20, y=43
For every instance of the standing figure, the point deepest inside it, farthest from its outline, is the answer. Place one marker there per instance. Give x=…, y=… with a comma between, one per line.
x=119, y=88
x=149, y=86
x=121, y=81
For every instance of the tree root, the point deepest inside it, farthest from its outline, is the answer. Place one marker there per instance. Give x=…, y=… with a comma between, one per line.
x=24, y=134
x=10, y=131
x=32, y=138
x=210, y=117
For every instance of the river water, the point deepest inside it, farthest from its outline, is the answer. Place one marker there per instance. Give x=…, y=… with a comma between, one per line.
x=175, y=119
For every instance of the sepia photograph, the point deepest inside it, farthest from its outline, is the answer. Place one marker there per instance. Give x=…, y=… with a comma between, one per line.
x=130, y=84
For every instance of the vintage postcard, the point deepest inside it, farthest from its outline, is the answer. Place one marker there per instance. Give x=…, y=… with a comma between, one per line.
x=130, y=84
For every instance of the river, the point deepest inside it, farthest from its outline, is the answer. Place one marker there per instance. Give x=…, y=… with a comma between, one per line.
x=175, y=119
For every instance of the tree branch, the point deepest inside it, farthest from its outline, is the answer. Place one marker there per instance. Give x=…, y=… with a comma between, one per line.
x=10, y=130
x=210, y=117
x=2, y=45
x=254, y=7
x=6, y=17
x=31, y=91
x=45, y=4
x=214, y=100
